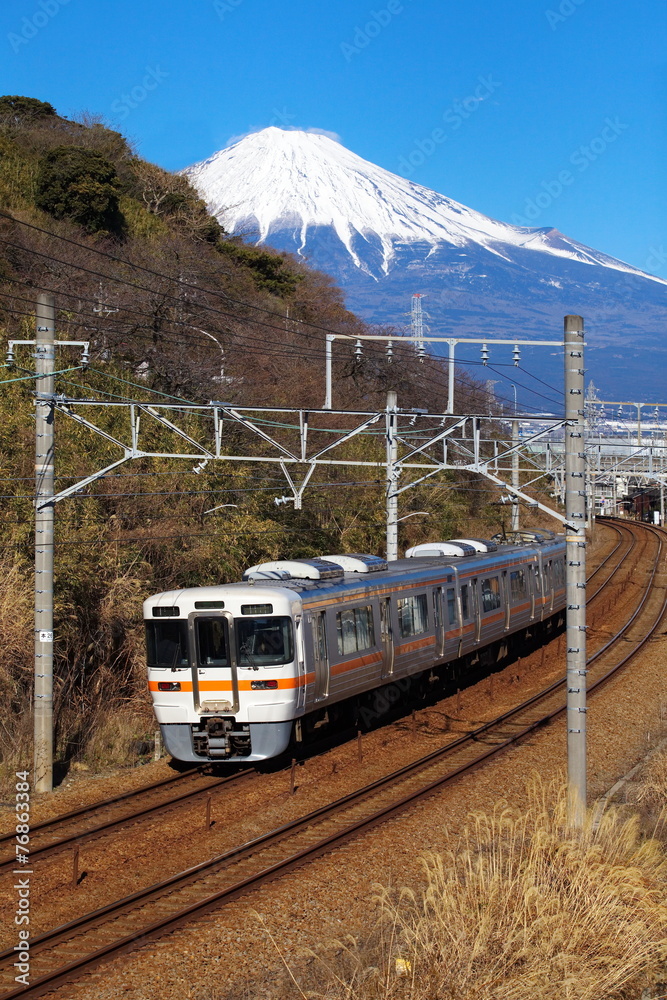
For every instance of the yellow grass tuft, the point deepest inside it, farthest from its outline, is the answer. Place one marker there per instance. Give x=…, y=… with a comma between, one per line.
x=521, y=908
x=653, y=787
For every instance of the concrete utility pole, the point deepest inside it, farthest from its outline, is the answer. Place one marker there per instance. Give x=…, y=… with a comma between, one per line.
x=515, y=472
x=575, y=576
x=44, y=478
x=392, y=498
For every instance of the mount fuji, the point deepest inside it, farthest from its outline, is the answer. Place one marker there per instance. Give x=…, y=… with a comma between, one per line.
x=383, y=237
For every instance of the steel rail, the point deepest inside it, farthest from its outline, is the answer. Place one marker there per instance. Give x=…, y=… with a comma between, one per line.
x=51, y=980
x=113, y=824
x=63, y=817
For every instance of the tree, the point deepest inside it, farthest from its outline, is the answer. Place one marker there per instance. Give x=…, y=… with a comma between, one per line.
x=16, y=110
x=81, y=185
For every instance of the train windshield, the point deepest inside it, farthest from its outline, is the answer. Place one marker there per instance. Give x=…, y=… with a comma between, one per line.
x=264, y=642
x=167, y=644
x=212, y=642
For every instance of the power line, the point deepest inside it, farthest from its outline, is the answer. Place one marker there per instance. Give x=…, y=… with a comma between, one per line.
x=210, y=308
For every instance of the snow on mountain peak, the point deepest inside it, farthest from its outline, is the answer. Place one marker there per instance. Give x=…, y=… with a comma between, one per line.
x=285, y=179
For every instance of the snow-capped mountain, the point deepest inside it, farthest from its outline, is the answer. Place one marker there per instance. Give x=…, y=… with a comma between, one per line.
x=384, y=237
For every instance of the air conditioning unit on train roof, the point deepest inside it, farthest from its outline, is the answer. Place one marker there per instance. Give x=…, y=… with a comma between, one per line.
x=479, y=544
x=434, y=550
x=355, y=562
x=295, y=569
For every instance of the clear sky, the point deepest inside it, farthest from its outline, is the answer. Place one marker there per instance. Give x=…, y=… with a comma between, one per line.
x=541, y=112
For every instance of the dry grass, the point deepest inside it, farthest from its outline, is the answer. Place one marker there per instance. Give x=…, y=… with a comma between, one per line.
x=16, y=630
x=521, y=908
x=102, y=710
x=652, y=790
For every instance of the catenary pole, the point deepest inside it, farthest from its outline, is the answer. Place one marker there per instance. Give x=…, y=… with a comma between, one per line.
x=392, y=497
x=515, y=473
x=575, y=563
x=44, y=511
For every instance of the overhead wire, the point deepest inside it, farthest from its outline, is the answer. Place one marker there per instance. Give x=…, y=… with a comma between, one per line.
x=198, y=288
x=264, y=349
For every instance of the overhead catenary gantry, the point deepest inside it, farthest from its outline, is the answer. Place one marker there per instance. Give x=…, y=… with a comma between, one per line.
x=417, y=447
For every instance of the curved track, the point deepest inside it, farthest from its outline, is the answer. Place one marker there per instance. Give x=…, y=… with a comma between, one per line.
x=121, y=926
x=89, y=822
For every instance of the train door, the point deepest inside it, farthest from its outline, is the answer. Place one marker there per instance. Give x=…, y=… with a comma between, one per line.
x=214, y=672
x=506, y=598
x=438, y=622
x=537, y=589
x=387, y=637
x=300, y=658
x=320, y=654
x=549, y=575
x=477, y=618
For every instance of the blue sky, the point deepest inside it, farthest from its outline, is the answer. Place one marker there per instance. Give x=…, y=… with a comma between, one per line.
x=570, y=131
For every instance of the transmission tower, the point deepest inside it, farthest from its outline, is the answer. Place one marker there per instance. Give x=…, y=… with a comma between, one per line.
x=418, y=325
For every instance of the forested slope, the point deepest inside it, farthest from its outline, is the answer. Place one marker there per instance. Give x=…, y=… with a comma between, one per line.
x=174, y=310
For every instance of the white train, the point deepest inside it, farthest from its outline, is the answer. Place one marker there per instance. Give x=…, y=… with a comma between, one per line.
x=235, y=671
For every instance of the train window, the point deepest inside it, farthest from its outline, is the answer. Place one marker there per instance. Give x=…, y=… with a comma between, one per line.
x=264, y=642
x=354, y=629
x=452, y=611
x=490, y=594
x=212, y=642
x=465, y=612
x=167, y=644
x=412, y=615
x=559, y=573
x=517, y=584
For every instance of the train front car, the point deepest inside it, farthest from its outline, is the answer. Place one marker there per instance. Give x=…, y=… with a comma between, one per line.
x=224, y=670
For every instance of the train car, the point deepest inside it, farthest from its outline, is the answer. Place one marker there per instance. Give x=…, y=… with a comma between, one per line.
x=236, y=671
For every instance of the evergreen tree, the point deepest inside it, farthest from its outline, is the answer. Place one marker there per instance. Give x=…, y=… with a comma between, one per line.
x=80, y=184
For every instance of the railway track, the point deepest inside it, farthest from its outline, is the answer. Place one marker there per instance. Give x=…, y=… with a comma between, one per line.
x=68, y=951
x=90, y=822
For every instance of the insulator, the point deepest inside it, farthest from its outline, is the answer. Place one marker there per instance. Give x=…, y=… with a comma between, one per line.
x=485, y=354
x=10, y=357
x=357, y=349
x=421, y=353
x=85, y=358
x=516, y=355
x=390, y=352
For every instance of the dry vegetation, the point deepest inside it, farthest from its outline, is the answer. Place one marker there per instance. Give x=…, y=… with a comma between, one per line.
x=166, y=299
x=521, y=907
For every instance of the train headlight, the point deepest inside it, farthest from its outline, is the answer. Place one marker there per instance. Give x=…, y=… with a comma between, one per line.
x=169, y=685
x=263, y=685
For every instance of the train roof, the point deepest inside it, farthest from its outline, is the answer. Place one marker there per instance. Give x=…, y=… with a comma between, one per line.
x=416, y=570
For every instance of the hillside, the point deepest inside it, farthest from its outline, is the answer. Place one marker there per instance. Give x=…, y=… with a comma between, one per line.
x=167, y=299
